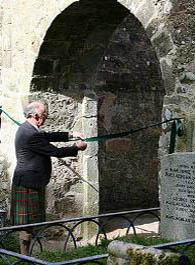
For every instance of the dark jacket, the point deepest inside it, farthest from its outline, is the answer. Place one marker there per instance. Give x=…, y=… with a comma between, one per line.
x=33, y=154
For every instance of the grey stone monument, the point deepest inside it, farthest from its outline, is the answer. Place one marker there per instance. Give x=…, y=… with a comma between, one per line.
x=177, y=196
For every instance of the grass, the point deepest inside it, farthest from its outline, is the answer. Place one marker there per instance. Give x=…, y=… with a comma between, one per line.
x=91, y=250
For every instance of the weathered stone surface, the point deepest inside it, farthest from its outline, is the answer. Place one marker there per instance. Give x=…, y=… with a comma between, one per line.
x=4, y=184
x=163, y=50
x=130, y=54
x=118, y=146
x=168, y=76
x=178, y=196
x=121, y=253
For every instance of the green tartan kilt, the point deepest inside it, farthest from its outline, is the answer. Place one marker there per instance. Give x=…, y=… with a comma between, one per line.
x=27, y=205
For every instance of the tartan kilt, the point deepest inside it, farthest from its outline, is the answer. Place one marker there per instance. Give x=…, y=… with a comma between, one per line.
x=27, y=205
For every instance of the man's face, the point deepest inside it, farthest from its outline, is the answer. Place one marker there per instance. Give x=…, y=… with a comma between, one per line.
x=43, y=115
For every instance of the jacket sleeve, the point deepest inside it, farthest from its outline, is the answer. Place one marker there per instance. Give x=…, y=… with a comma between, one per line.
x=39, y=144
x=56, y=136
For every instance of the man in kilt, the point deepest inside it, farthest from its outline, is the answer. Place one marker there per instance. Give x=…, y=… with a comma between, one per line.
x=33, y=168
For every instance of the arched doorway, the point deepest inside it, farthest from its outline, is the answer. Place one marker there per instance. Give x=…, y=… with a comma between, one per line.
x=96, y=53
x=131, y=93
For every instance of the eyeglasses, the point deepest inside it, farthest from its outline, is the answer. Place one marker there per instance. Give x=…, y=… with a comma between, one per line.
x=43, y=115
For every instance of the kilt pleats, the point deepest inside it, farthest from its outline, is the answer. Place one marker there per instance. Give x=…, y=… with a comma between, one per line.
x=27, y=205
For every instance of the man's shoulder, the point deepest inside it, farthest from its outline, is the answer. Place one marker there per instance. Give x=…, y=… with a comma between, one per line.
x=26, y=125
x=26, y=128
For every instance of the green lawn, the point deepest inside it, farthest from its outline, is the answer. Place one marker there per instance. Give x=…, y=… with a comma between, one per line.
x=91, y=250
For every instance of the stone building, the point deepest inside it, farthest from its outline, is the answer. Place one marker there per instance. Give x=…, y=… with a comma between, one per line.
x=104, y=66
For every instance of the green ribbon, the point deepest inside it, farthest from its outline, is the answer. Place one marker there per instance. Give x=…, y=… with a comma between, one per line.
x=16, y=122
x=122, y=134
x=177, y=129
x=106, y=137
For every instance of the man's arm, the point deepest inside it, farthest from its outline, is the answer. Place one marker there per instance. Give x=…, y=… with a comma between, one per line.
x=64, y=136
x=56, y=136
x=39, y=143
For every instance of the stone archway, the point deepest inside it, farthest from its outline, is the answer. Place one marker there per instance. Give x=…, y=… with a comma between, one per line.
x=97, y=64
x=22, y=35
x=66, y=69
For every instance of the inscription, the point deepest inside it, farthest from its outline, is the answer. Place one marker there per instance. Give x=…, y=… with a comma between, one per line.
x=180, y=201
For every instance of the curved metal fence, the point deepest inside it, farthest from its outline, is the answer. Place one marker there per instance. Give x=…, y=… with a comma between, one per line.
x=40, y=232
x=11, y=258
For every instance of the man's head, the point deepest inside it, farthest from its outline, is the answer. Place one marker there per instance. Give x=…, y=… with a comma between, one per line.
x=36, y=112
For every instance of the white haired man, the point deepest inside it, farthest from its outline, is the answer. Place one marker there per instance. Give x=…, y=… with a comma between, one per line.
x=33, y=168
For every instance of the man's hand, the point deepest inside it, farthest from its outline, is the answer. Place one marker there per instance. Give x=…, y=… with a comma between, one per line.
x=80, y=135
x=81, y=145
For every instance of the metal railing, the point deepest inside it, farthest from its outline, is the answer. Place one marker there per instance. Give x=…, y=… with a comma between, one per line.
x=39, y=230
x=173, y=247
x=12, y=258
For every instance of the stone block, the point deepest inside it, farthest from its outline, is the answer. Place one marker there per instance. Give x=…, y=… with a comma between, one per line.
x=177, y=193
x=122, y=253
x=119, y=145
x=89, y=108
x=168, y=76
x=163, y=43
x=90, y=168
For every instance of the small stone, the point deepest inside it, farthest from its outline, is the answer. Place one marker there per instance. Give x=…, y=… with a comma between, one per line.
x=190, y=76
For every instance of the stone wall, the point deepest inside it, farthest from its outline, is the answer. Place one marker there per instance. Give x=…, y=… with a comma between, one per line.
x=100, y=57
x=130, y=97
x=4, y=183
x=21, y=39
x=102, y=93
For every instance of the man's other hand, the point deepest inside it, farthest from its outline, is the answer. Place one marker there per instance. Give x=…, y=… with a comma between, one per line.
x=81, y=145
x=80, y=135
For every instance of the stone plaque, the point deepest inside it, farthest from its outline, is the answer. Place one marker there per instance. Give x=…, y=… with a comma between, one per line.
x=177, y=196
